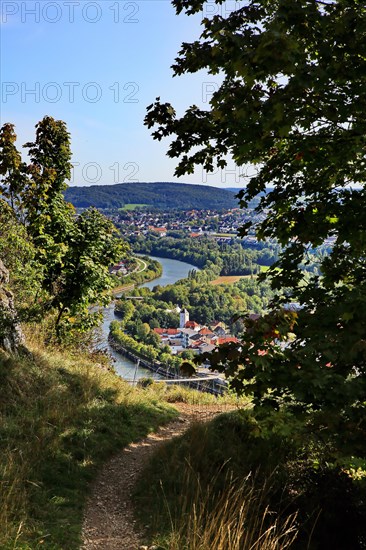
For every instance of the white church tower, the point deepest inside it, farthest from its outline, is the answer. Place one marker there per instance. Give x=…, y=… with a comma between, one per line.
x=184, y=318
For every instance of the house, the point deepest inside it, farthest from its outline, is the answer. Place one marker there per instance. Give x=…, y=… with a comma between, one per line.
x=219, y=331
x=159, y=231
x=206, y=348
x=227, y=340
x=192, y=325
x=175, y=345
x=218, y=328
x=206, y=335
x=168, y=332
x=206, y=332
x=187, y=334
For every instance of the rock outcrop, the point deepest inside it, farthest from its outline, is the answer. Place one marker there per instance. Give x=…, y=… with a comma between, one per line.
x=11, y=336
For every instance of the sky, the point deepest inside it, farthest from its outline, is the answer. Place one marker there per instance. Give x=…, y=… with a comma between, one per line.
x=97, y=65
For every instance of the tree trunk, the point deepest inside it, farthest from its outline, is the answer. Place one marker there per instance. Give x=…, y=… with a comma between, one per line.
x=11, y=336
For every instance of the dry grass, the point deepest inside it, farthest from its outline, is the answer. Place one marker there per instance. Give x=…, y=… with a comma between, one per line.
x=176, y=393
x=62, y=414
x=235, y=519
x=229, y=279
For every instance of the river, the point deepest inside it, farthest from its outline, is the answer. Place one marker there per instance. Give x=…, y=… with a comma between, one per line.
x=173, y=270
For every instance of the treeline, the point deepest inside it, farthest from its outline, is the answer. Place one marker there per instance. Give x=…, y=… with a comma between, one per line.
x=153, y=270
x=207, y=303
x=162, y=195
x=230, y=259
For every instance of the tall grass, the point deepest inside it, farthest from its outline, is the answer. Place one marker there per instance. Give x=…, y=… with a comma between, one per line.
x=237, y=518
x=12, y=498
x=62, y=413
x=177, y=393
x=198, y=492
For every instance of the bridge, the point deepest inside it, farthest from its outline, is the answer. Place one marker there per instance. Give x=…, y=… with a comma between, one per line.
x=208, y=383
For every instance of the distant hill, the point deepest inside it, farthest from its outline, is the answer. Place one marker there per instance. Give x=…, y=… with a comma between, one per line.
x=237, y=189
x=164, y=195
x=233, y=189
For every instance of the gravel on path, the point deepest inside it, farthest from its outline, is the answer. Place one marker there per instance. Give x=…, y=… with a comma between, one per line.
x=109, y=522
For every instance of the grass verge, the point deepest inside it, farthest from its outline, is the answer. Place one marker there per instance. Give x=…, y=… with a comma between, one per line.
x=239, y=482
x=62, y=415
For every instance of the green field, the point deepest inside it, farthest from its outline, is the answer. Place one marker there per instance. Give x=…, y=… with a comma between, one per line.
x=133, y=206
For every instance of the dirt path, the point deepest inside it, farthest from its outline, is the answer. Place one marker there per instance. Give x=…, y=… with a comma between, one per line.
x=109, y=520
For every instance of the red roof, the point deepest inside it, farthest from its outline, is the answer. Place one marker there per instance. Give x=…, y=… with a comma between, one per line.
x=205, y=331
x=191, y=324
x=169, y=331
x=227, y=340
x=197, y=344
x=159, y=229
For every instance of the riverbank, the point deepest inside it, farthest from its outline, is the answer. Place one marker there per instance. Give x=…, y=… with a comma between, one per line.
x=204, y=383
x=147, y=270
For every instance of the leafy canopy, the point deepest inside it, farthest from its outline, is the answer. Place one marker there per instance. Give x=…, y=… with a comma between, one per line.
x=292, y=102
x=59, y=261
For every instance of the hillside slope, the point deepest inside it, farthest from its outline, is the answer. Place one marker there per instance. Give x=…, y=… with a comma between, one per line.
x=63, y=414
x=162, y=195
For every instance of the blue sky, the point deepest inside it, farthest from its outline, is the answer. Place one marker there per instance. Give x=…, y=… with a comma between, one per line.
x=97, y=65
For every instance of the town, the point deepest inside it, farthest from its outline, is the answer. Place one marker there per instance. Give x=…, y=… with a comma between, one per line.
x=220, y=224
x=194, y=336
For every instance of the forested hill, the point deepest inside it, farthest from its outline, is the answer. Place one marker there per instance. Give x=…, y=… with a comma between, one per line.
x=162, y=195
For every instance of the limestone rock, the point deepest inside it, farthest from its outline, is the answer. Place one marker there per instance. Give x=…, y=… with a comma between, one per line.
x=11, y=337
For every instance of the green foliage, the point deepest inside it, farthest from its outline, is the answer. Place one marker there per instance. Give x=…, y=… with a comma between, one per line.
x=228, y=259
x=162, y=195
x=84, y=278
x=142, y=275
x=59, y=261
x=125, y=309
x=207, y=303
x=292, y=100
x=141, y=342
x=20, y=257
x=11, y=167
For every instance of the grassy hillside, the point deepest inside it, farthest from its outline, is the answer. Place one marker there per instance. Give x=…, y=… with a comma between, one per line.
x=162, y=195
x=62, y=415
